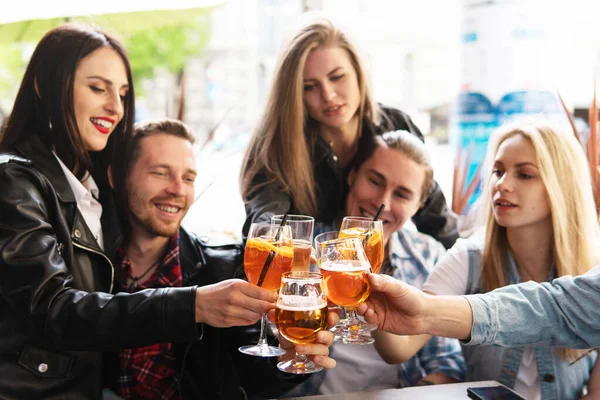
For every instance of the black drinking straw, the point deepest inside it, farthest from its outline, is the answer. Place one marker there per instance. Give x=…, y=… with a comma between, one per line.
x=381, y=207
x=376, y=218
x=265, y=268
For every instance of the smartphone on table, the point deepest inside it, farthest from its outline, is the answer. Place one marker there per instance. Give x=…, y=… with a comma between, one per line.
x=499, y=392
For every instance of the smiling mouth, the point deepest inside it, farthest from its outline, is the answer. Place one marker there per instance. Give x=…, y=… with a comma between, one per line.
x=102, y=122
x=503, y=203
x=168, y=209
x=332, y=110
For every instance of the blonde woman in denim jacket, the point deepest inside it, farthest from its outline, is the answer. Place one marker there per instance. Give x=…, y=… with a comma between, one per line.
x=540, y=223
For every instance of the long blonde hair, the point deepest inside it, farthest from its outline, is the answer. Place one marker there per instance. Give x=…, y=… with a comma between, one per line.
x=566, y=177
x=279, y=147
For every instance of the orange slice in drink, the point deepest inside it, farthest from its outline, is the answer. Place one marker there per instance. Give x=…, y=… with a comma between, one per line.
x=267, y=246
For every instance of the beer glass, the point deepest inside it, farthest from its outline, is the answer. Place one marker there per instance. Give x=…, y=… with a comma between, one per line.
x=371, y=232
x=302, y=232
x=268, y=254
x=345, y=270
x=301, y=312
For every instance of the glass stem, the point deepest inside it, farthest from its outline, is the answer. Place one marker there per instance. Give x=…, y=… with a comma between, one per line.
x=262, y=340
x=300, y=360
x=353, y=323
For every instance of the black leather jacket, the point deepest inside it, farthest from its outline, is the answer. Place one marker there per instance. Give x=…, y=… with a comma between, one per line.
x=433, y=218
x=56, y=313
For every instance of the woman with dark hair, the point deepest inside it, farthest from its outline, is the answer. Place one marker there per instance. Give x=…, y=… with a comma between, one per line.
x=58, y=224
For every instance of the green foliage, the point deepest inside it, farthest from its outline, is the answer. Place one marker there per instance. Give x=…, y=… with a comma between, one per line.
x=154, y=39
x=11, y=69
x=168, y=47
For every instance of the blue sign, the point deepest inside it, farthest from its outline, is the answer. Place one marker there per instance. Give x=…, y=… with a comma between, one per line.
x=476, y=118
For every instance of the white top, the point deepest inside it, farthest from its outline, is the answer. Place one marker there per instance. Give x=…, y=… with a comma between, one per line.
x=85, y=196
x=449, y=277
x=359, y=367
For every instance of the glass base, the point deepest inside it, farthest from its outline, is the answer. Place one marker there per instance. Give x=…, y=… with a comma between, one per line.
x=357, y=338
x=355, y=334
x=366, y=327
x=299, y=367
x=262, y=351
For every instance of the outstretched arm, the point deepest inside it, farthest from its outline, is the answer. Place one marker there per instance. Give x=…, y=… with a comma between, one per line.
x=402, y=309
x=266, y=200
x=563, y=313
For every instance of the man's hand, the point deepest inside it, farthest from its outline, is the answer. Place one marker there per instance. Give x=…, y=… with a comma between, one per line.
x=232, y=303
x=394, y=306
x=318, y=351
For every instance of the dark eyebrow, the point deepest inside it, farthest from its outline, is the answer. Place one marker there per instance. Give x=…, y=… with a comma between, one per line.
x=332, y=72
x=107, y=81
x=376, y=173
x=403, y=189
x=166, y=166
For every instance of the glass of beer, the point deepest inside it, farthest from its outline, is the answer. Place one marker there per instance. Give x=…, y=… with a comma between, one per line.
x=267, y=255
x=301, y=312
x=371, y=232
x=302, y=233
x=345, y=268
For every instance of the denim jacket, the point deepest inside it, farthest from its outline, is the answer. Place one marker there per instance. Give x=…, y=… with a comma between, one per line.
x=563, y=312
x=558, y=379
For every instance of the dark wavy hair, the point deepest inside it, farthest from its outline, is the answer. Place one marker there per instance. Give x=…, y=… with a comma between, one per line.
x=44, y=104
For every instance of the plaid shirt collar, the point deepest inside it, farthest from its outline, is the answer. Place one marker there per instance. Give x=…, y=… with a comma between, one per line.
x=150, y=372
x=167, y=274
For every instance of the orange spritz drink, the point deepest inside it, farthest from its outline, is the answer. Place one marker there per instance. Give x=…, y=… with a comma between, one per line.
x=256, y=253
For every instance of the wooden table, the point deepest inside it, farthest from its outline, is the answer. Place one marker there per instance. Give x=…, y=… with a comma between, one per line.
x=432, y=392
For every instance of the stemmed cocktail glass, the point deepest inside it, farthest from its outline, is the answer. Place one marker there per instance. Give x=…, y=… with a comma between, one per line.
x=345, y=268
x=302, y=233
x=300, y=314
x=268, y=254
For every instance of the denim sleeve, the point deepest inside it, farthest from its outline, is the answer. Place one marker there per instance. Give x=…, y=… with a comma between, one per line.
x=563, y=313
x=443, y=355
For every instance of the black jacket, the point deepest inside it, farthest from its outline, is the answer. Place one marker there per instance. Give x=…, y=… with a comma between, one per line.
x=56, y=315
x=434, y=218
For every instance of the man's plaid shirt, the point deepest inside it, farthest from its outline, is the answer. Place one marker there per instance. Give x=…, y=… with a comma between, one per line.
x=150, y=372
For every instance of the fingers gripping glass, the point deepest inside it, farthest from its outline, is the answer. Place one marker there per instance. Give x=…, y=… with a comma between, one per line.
x=268, y=254
x=300, y=314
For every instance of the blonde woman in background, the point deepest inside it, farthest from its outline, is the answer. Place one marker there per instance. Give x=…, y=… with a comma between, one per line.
x=319, y=113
